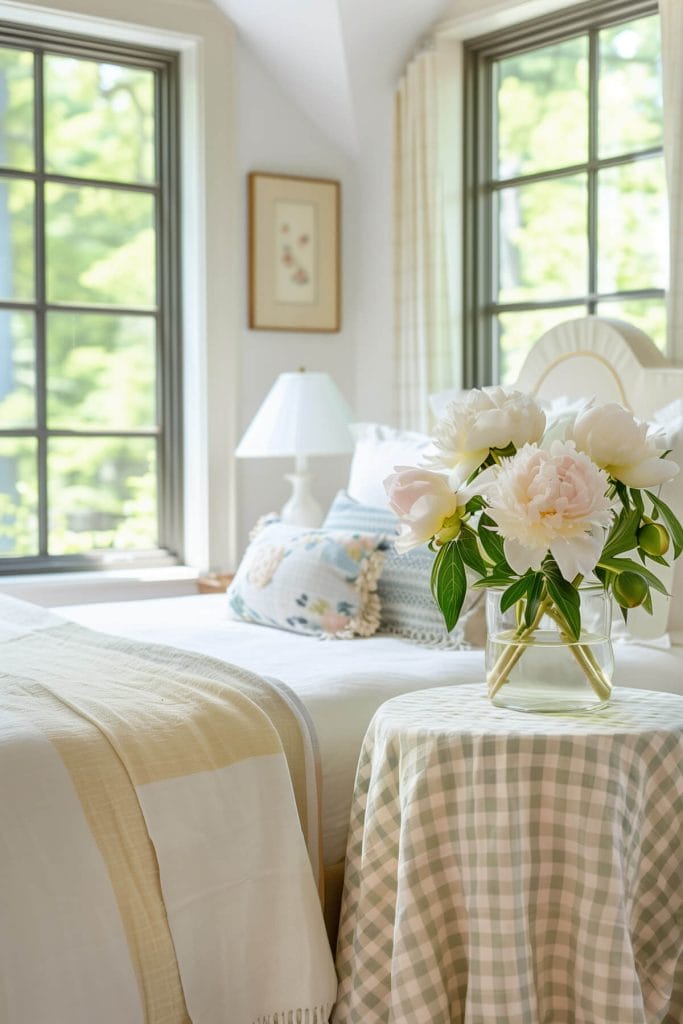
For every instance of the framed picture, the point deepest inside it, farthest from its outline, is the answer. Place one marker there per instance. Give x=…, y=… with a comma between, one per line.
x=294, y=253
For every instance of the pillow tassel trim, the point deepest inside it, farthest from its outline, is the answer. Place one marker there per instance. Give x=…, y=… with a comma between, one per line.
x=366, y=622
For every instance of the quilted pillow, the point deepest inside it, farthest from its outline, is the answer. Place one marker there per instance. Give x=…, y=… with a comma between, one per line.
x=408, y=608
x=317, y=582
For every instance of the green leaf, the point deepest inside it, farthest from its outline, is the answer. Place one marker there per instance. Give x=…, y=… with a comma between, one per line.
x=622, y=491
x=629, y=565
x=602, y=574
x=659, y=559
x=449, y=583
x=565, y=597
x=534, y=600
x=496, y=579
x=469, y=550
x=515, y=591
x=622, y=536
x=476, y=503
x=647, y=603
x=675, y=528
x=490, y=540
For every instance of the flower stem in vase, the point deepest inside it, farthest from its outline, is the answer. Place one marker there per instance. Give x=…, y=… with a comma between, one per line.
x=509, y=658
x=584, y=657
x=523, y=638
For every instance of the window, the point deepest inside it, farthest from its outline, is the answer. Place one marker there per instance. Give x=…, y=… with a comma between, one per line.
x=89, y=347
x=565, y=176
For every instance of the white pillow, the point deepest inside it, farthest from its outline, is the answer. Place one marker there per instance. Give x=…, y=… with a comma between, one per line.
x=439, y=401
x=378, y=449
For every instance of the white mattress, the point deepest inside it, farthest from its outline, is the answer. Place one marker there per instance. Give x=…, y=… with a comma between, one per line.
x=341, y=683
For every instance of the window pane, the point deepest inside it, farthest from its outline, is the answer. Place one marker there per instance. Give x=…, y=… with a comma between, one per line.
x=99, y=120
x=101, y=371
x=102, y=494
x=18, y=497
x=648, y=314
x=518, y=332
x=100, y=246
x=632, y=227
x=542, y=108
x=17, y=280
x=16, y=109
x=630, y=87
x=17, y=370
x=542, y=240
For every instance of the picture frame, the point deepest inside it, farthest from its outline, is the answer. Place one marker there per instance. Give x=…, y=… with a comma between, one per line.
x=294, y=253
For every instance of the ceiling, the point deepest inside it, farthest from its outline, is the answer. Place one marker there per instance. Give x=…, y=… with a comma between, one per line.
x=335, y=59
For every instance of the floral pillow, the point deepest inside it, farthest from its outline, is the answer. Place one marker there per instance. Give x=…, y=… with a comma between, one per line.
x=318, y=582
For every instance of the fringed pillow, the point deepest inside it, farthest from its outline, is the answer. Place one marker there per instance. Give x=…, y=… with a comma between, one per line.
x=318, y=582
x=408, y=608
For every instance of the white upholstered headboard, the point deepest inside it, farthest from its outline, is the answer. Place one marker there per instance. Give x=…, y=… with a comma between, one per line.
x=615, y=362
x=610, y=359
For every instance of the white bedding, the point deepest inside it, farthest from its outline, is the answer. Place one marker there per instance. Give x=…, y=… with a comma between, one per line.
x=342, y=682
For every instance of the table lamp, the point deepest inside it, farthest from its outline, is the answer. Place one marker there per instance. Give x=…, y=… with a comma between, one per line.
x=303, y=414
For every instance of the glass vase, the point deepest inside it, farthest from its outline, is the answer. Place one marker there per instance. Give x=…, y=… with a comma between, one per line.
x=540, y=668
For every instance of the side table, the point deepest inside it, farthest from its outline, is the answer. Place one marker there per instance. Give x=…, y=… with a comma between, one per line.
x=509, y=868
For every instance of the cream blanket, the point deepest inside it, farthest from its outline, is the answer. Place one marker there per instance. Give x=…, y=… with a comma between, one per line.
x=152, y=864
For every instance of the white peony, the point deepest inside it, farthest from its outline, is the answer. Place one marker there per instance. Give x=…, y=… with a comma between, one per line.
x=622, y=446
x=550, y=500
x=485, y=418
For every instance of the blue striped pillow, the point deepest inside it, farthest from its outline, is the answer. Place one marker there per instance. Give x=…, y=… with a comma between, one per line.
x=408, y=608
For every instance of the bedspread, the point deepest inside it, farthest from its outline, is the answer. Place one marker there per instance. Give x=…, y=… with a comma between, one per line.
x=152, y=864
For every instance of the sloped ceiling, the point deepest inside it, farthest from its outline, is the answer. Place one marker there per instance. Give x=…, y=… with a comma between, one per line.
x=333, y=58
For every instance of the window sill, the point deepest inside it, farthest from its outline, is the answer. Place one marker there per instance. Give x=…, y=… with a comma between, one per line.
x=55, y=589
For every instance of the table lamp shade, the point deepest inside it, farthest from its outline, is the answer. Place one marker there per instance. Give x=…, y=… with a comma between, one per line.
x=303, y=414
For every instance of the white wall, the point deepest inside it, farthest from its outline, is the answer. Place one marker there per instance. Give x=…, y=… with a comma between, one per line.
x=274, y=136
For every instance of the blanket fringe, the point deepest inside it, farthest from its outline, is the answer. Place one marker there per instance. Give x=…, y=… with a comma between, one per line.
x=313, y=1015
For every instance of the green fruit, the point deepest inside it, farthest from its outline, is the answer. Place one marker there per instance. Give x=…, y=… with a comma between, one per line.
x=653, y=539
x=630, y=589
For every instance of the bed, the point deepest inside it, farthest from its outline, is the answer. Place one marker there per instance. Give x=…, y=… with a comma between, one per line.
x=338, y=685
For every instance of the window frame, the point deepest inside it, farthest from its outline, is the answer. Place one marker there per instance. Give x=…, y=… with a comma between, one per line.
x=167, y=313
x=481, y=351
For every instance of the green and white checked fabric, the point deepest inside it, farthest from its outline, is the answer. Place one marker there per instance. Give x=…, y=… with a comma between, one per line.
x=508, y=868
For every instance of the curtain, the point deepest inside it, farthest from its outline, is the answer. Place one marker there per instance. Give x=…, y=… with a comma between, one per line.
x=671, y=13
x=427, y=231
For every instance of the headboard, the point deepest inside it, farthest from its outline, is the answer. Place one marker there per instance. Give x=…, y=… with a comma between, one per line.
x=610, y=359
x=615, y=362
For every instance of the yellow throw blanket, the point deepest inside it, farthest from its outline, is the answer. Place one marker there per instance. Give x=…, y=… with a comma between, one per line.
x=152, y=863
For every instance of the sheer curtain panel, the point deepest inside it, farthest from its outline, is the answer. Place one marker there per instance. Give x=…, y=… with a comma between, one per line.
x=427, y=230
x=671, y=12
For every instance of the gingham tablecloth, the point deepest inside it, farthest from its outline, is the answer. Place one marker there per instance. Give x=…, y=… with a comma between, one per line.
x=509, y=868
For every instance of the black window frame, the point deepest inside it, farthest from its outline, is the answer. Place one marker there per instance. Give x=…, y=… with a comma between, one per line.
x=167, y=313
x=480, y=349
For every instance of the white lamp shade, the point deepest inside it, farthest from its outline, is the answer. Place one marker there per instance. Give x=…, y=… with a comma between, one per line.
x=303, y=414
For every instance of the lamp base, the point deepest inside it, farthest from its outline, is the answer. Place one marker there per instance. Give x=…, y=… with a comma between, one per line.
x=302, y=509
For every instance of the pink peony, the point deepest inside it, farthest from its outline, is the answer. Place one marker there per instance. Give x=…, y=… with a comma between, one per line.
x=423, y=501
x=551, y=500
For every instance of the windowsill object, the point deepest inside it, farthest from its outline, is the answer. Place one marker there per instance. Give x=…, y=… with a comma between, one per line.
x=214, y=582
